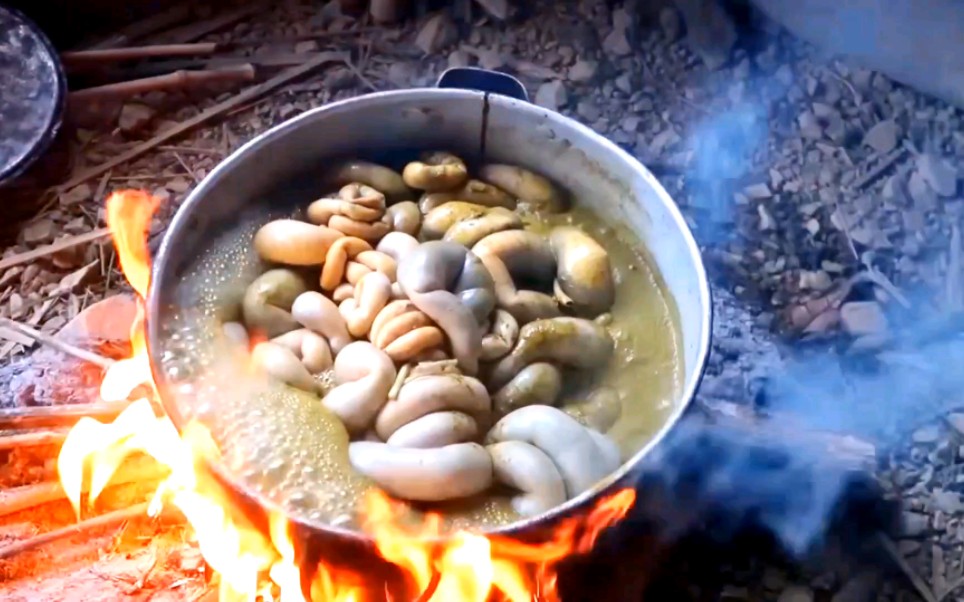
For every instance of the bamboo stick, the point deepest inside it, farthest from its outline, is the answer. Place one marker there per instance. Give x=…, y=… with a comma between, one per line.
x=171, y=81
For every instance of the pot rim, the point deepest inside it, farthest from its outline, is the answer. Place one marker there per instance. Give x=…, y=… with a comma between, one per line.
x=625, y=470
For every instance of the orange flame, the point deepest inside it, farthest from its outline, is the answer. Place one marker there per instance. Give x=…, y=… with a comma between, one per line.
x=467, y=567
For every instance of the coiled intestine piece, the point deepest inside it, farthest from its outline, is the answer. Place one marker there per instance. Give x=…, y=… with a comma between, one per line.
x=341, y=251
x=363, y=375
x=358, y=211
x=311, y=348
x=404, y=331
x=428, y=394
x=444, y=473
x=370, y=296
x=581, y=457
x=355, y=201
x=501, y=337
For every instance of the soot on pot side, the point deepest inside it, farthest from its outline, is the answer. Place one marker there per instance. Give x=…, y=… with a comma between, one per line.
x=424, y=344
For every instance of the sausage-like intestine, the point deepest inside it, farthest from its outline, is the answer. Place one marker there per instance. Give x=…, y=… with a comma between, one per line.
x=281, y=363
x=340, y=252
x=436, y=430
x=293, y=242
x=536, y=191
x=435, y=172
x=311, y=348
x=319, y=313
x=536, y=384
x=429, y=475
x=363, y=376
x=429, y=394
x=266, y=305
x=583, y=274
x=528, y=469
x=371, y=295
x=573, y=450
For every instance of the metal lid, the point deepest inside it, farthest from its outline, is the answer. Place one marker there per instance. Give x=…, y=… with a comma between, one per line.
x=32, y=93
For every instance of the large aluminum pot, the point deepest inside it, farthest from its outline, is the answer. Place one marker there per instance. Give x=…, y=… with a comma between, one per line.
x=502, y=127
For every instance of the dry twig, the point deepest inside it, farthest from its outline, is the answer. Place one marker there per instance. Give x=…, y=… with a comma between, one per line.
x=134, y=470
x=36, y=439
x=217, y=110
x=103, y=521
x=85, y=58
x=918, y=582
x=55, y=247
x=62, y=346
x=32, y=417
x=172, y=81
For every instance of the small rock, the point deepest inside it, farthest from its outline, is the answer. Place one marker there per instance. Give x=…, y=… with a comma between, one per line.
x=38, y=232
x=817, y=281
x=810, y=126
x=784, y=75
x=913, y=524
x=438, y=32
x=588, y=110
x=757, y=192
x=710, y=31
x=491, y=59
x=134, y=116
x=178, y=185
x=77, y=194
x=617, y=44
x=938, y=173
x=624, y=83
x=862, y=587
x=863, y=317
x=107, y=320
x=926, y=435
x=766, y=220
x=670, y=23
x=948, y=502
x=552, y=95
x=883, y=136
x=16, y=305
x=583, y=71
x=459, y=58
x=306, y=47
x=956, y=420
x=629, y=123
x=664, y=140
x=923, y=195
x=497, y=8
x=402, y=74
x=796, y=593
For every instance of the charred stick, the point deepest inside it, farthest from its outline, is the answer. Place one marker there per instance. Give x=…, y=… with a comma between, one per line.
x=198, y=29
x=91, y=58
x=64, y=347
x=784, y=431
x=57, y=416
x=110, y=519
x=56, y=247
x=138, y=470
x=217, y=110
x=37, y=439
x=172, y=81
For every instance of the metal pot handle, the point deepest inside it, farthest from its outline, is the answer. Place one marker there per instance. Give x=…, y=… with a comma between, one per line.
x=484, y=80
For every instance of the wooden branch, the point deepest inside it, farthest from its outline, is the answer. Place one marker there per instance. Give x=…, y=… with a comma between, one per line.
x=178, y=80
x=103, y=521
x=62, y=346
x=199, y=29
x=33, y=417
x=87, y=58
x=237, y=100
x=134, y=470
x=55, y=247
x=784, y=430
x=156, y=22
x=34, y=439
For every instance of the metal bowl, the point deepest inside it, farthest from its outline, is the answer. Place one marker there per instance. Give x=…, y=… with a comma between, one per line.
x=473, y=124
x=33, y=95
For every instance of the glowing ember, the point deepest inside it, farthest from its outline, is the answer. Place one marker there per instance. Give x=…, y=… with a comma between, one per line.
x=468, y=567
